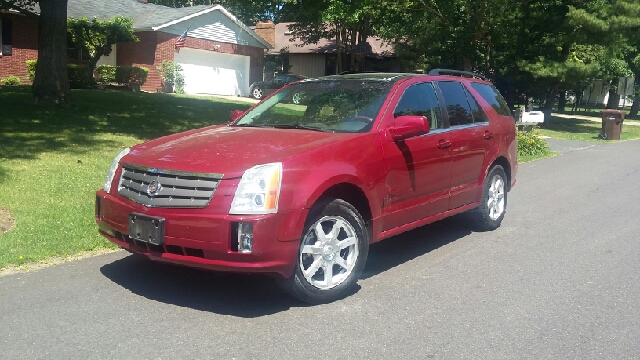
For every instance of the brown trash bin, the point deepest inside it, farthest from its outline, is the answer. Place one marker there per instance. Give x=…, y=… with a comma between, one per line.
x=612, y=124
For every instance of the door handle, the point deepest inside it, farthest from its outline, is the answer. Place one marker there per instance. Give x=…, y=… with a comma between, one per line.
x=444, y=144
x=488, y=135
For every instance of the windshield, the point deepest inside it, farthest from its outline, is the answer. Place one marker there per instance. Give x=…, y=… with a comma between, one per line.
x=334, y=105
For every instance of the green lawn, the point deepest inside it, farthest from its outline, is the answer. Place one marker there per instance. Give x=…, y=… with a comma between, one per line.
x=53, y=159
x=583, y=130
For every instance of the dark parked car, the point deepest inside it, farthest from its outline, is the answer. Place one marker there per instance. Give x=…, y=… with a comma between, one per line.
x=300, y=191
x=260, y=89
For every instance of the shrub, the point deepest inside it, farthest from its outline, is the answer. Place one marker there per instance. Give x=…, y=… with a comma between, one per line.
x=31, y=68
x=530, y=143
x=106, y=74
x=124, y=75
x=131, y=75
x=10, y=81
x=78, y=76
x=172, y=76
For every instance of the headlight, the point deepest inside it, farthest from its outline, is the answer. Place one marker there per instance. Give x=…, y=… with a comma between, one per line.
x=112, y=170
x=258, y=191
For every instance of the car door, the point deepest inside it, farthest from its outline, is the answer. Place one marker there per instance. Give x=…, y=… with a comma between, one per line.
x=470, y=141
x=418, y=169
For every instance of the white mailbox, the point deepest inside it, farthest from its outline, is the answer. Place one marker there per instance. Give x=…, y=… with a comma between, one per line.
x=533, y=117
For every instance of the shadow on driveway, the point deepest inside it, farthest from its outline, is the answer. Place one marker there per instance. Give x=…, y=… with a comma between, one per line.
x=252, y=296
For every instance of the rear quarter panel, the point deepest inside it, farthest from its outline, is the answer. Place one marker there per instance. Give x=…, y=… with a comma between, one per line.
x=504, y=130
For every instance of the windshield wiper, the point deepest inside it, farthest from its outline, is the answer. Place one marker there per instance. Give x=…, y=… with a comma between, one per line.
x=297, y=126
x=286, y=126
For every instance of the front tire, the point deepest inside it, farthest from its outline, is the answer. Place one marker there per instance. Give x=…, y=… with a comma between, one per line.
x=333, y=251
x=493, y=205
x=257, y=93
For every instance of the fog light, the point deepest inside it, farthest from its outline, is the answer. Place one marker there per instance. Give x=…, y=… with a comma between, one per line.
x=245, y=237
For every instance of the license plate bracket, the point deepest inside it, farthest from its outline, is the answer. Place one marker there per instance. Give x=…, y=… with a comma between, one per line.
x=147, y=229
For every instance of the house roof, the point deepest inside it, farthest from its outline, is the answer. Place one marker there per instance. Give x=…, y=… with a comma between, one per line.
x=285, y=42
x=147, y=16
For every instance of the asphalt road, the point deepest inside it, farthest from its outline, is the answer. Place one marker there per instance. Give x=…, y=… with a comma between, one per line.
x=559, y=280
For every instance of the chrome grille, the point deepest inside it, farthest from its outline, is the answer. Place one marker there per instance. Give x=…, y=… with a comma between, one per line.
x=177, y=189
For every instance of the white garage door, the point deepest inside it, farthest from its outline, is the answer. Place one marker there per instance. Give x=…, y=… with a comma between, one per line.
x=210, y=72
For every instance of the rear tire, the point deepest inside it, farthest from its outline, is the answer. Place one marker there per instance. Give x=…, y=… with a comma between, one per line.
x=333, y=251
x=493, y=205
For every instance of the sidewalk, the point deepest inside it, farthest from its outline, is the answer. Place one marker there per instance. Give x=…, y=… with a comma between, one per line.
x=592, y=118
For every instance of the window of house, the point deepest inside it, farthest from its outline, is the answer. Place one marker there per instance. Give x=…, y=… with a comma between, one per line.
x=456, y=102
x=6, y=36
x=420, y=100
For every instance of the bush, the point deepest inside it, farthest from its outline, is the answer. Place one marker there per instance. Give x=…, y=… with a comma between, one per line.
x=131, y=75
x=530, y=143
x=124, y=75
x=172, y=76
x=77, y=74
x=106, y=74
x=31, y=68
x=10, y=81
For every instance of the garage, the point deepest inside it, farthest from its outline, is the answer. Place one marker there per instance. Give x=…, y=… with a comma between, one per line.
x=210, y=72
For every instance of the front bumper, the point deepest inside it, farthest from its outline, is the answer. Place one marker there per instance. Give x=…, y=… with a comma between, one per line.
x=203, y=238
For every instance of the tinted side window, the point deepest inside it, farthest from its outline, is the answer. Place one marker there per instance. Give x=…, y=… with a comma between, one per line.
x=456, y=102
x=493, y=97
x=478, y=115
x=421, y=100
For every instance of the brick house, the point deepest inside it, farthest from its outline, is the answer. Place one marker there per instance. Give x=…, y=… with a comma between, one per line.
x=319, y=59
x=221, y=54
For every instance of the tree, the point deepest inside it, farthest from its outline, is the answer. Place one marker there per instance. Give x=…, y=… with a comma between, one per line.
x=97, y=37
x=51, y=84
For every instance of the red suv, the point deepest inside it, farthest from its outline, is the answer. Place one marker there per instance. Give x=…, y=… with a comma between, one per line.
x=299, y=191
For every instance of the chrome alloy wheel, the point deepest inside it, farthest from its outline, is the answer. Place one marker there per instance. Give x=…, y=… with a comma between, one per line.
x=495, y=200
x=329, y=252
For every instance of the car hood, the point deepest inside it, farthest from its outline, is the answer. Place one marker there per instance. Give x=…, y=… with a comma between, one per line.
x=227, y=150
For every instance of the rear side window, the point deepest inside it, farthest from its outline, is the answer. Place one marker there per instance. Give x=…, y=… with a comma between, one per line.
x=420, y=100
x=478, y=115
x=493, y=97
x=455, y=99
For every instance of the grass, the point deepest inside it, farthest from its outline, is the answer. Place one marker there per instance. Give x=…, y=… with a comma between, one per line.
x=582, y=130
x=528, y=158
x=53, y=159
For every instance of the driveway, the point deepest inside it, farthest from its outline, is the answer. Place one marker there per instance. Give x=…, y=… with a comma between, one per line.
x=559, y=279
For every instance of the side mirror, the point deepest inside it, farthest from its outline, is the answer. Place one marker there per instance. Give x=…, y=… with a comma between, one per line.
x=407, y=126
x=236, y=114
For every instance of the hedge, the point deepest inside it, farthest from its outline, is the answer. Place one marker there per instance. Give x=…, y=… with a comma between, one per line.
x=107, y=74
x=77, y=74
x=126, y=75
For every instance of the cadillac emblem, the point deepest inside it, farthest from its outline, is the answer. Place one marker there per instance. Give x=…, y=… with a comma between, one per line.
x=154, y=188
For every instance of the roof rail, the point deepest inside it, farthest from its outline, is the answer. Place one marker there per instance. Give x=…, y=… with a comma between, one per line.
x=358, y=72
x=456, y=72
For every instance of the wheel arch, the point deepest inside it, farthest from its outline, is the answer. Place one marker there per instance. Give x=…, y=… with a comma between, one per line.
x=354, y=195
x=502, y=161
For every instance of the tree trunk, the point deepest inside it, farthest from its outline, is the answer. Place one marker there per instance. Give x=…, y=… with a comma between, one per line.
x=51, y=84
x=614, y=100
x=562, y=101
x=634, y=108
x=91, y=67
x=354, y=40
x=551, y=95
x=338, y=52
